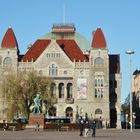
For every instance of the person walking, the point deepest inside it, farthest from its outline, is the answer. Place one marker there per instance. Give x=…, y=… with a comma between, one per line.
x=37, y=125
x=86, y=128
x=93, y=127
x=81, y=126
x=5, y=126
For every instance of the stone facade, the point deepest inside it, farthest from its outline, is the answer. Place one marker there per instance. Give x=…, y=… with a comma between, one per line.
x=136, y=97
x=87, y=80
x=136, y=86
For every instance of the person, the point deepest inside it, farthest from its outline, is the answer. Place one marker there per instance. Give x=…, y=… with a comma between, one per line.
x=93, y=127
x=86, y=128
x=81, y=125
x=5, y=126
x=37, y=126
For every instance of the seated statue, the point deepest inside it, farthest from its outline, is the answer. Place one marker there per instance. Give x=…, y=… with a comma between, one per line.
x=37, y=105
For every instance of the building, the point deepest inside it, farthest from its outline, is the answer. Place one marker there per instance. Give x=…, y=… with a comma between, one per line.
x=136, y=97
x=87, y=80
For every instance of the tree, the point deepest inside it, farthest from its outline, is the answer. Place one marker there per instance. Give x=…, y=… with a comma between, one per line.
x=126, y=106
x=20, y=90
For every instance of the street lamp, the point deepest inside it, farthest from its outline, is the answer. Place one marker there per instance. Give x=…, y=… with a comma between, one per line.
x=130, y=75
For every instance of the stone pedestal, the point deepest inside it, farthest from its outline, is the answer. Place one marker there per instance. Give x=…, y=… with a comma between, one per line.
x=36, y=118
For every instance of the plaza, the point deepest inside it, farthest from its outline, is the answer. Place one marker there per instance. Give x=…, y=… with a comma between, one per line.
x=102, y=134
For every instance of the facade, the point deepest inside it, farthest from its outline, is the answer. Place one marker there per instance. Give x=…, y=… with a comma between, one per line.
x=136, y=97
x=87, y=80
x=136, y=86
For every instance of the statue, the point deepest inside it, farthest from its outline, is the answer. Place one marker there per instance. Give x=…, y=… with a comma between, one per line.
x=37, y=105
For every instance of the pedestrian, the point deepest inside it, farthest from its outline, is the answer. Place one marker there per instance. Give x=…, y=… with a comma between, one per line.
x=86, y=128
x=5, y=126
x=93, y=127
x=37, y=125
x=81, y=125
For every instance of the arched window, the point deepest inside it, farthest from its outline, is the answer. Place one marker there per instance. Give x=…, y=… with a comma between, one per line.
x=69, y=90
x=52, y=70
x=61, y=90
x=69, y=112
x=53, y=89
x=7, y=61
x=98, y=111
x=99, y=61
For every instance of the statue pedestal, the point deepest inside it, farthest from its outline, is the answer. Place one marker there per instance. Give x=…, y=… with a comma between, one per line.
x=33, y=118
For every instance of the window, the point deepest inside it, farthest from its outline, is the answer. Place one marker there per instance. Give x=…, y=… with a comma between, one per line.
x=69, y=90
x=99, y=61
x=61, y=90
x=99, y=84
x=69, y=112
x=53, y=70
x=98, y=111
x=7, y=61
x=53, y=55
x=53, y=89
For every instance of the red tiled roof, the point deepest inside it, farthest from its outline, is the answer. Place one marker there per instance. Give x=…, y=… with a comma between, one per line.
x=114, y=64
x=98, y=40
x=35, y=51
x=72, y=50
x=68, y=46
x=9, y=39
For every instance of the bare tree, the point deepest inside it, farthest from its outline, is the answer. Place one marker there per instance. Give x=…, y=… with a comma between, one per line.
x=20, y=91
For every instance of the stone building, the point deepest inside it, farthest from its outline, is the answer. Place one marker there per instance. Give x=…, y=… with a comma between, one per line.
x=136, y=97
x=136, y=85
x=87, y=80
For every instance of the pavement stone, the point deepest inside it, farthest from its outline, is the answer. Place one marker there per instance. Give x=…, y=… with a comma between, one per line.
x=108, y=134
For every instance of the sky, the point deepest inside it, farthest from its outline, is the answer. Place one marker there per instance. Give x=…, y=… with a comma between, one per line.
x=119, y=20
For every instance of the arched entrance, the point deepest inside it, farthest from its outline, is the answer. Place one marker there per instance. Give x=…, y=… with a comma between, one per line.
x=69, y=112
x=98, y=117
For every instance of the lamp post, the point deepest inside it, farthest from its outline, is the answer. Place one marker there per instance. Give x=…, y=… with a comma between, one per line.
x=130, y=75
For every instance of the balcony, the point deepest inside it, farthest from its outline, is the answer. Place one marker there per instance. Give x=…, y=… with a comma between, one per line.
x=69, y=100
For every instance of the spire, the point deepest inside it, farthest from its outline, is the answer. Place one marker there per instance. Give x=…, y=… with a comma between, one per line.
x=9, y=39
x=98, y=40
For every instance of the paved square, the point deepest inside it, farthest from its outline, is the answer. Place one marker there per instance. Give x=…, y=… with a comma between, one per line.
x=30, y=134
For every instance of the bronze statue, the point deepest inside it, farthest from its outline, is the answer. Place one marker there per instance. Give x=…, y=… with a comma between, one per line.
x=37, y=105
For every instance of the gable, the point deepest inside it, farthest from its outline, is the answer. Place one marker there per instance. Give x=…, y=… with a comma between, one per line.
x=70, y=48
x=36, y=50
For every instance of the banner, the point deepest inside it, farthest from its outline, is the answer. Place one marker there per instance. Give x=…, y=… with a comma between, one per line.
x=81, y=88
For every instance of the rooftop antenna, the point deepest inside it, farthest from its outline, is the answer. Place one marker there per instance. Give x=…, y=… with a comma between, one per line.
x=64, y=14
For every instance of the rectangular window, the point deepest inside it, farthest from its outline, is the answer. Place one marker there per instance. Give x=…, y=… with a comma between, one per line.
x=99, y=83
